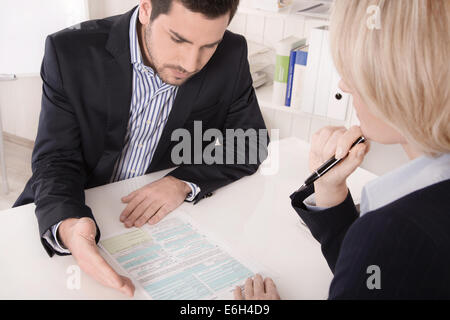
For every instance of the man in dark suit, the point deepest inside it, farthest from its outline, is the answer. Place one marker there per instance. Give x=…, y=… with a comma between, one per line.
x=114, y=91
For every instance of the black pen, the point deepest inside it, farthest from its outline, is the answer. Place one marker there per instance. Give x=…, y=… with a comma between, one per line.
x=327, y=166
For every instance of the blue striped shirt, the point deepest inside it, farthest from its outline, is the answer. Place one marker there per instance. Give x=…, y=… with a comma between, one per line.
x=151, y=104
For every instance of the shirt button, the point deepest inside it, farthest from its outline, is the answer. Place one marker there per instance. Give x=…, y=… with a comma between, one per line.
x=148, y=121
x=140, y=145
x=133, y=171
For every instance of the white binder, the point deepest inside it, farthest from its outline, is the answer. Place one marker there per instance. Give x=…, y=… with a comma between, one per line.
x=312, y=70
x=322, y=96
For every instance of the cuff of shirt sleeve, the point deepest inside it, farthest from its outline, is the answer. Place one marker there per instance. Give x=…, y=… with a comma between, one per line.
x=51, y=237
x=195, y=190
x=310, y=204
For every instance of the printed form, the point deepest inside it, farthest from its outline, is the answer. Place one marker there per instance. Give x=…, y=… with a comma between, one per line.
x=174, y=261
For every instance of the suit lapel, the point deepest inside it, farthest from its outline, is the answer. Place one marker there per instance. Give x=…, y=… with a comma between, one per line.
x=119, y=90
x=181, y=109
x=119, y=82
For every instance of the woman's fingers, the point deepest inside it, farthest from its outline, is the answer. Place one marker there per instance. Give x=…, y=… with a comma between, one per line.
x=271, y=289
x=257, y=289
x=323, y=145
x=238, y=294
x=320, y=138
x=329, y=149
x=353, y=160
x=346, y=141
x=248, y=288
x=258, y=286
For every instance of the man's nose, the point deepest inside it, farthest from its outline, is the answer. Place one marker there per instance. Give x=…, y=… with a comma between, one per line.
x=191, y=60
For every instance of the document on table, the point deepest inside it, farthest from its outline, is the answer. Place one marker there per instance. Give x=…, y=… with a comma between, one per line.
x=173, y=260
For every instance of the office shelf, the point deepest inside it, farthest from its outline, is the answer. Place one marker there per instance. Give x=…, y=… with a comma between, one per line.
x=265, y=94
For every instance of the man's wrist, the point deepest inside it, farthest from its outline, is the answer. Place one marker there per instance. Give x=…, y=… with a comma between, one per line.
x=186, y=188
x=61, y=233
x=183, y=185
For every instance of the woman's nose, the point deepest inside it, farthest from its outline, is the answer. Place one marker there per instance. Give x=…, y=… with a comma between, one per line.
x=343, y=86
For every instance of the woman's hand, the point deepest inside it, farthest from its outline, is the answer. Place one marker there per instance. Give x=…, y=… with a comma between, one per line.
x=331, y=189
x=257, y=289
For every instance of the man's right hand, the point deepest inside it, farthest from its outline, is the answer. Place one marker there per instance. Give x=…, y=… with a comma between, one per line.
x=78, y=235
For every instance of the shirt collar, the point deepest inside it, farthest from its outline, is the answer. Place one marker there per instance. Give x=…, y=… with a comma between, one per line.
x=413, y=176
x=136, y=56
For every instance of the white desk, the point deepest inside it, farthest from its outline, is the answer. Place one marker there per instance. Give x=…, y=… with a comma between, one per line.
x=253, y=216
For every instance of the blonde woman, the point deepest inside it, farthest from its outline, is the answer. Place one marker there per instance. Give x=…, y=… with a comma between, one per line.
x=393, y=57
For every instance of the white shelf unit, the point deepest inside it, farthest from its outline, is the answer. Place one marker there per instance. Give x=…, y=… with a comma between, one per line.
x=267, y=28
x=252, y=11
x=294, y=122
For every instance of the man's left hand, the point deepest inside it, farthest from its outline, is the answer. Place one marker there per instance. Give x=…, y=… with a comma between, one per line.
x=153, y=202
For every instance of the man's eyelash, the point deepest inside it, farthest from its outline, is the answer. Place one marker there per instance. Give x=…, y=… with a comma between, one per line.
x=177, y=40
x=182, y=41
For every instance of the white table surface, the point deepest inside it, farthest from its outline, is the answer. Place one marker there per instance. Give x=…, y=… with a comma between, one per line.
x=253, y=216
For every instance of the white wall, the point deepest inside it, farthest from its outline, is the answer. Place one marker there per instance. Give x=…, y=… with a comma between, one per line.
x=24, y=26
x=20, y=104
x=105, y=8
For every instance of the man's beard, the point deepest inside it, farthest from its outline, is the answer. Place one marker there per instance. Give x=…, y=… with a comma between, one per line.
x=158, y=69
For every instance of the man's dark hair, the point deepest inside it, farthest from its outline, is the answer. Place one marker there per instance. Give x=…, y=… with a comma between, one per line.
x=209, y=8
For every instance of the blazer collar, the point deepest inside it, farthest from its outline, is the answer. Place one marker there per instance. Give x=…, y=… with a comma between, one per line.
x=118, y=42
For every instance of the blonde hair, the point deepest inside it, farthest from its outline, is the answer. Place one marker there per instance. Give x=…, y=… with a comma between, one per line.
x=400, y=68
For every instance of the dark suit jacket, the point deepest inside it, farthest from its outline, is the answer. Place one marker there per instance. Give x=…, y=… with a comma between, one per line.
x=87, y=90
x=408, y=239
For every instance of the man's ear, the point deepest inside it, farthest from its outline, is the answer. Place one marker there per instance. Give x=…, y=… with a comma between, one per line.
x=145, y=11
